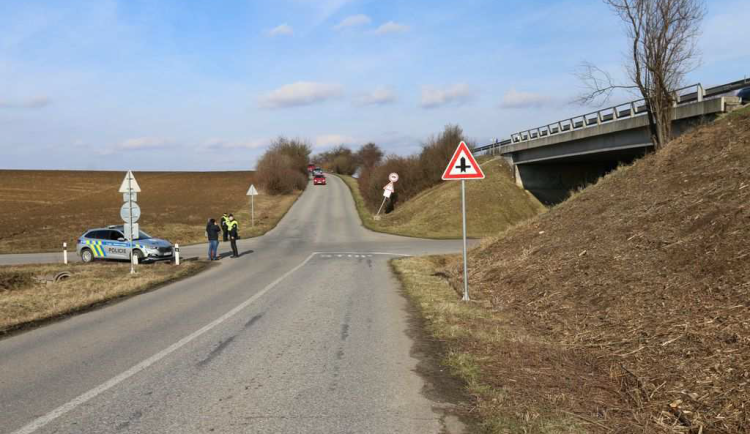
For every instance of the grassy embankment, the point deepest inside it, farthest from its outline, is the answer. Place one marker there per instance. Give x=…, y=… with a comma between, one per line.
x=24, y=301
x=493, y=205
x=39, y=210
x=625, y=309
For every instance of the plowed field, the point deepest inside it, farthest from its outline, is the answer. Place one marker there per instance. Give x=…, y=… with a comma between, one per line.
x=39, y=210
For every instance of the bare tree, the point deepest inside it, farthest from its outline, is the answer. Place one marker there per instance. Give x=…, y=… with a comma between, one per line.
x=663, y=35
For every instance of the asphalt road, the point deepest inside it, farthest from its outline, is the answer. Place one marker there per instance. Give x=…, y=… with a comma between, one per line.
x=304, y=333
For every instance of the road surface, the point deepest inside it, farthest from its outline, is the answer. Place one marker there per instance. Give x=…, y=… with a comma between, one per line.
x=304, y=333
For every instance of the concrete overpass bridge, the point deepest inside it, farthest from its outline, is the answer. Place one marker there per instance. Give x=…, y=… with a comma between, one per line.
x=552, y=160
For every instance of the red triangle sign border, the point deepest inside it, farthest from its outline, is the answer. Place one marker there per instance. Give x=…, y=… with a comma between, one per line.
x=473, y=162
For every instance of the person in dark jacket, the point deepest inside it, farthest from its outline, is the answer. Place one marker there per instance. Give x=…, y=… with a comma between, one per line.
x=234, y=235
x=224, y=228
x=212, y=231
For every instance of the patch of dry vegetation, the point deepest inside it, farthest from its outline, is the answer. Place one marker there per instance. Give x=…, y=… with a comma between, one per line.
x=493, y=205
x=25, y=301
x=627, y=307
x=455, y=323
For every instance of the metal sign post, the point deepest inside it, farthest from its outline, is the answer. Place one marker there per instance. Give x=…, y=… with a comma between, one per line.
x=387, y=191
x=252, y=192
x=463, y=214
x=130, y=222
x=130, y=213
x=468, y=168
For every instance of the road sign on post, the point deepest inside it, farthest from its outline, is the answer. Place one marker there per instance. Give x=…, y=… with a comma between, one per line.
x=393, y=177
x=463, y=166
x=252, y=192
x=388, y=190
x=130, y=212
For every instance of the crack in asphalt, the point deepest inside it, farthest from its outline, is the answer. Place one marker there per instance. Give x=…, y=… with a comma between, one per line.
x=215, y=352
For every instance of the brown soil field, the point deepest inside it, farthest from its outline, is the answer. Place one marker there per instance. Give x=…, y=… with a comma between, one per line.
x=626, y=309
x=25, y=301
x=39, y=210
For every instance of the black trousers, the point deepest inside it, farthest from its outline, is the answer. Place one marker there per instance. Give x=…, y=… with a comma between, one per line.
x=225, y=234
x=234, y=247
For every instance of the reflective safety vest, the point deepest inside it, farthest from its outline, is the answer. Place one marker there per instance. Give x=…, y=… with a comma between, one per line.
x=231, y=224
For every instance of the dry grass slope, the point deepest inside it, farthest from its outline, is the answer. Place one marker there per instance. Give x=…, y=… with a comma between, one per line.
x=626, y=307
x=24, y=301
x=40, y=210
x=493, y=205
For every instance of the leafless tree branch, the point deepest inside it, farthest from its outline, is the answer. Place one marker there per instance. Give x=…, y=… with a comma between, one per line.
x=663, y=36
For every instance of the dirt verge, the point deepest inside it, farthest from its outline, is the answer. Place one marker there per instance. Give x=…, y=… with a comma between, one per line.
x=26, y=302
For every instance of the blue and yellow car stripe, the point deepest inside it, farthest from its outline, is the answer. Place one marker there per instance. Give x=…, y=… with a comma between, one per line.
x=96, y=248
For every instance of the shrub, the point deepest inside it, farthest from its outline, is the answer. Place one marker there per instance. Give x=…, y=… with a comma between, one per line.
x=339, y=160
x=371, y=185
x=283, y=167
x=369, y=156
x=416, y=173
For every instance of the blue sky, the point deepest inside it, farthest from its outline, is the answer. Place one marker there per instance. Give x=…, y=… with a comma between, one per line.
x=197, y=85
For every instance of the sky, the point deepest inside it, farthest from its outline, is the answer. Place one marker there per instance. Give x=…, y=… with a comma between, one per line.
x=199, y=85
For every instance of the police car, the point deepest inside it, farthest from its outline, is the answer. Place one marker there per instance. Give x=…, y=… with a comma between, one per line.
x=110, y=243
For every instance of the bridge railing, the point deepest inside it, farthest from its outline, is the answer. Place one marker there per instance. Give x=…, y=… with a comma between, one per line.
x=631, y=109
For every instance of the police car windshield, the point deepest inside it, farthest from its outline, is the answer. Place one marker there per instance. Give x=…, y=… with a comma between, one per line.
x=143, y=236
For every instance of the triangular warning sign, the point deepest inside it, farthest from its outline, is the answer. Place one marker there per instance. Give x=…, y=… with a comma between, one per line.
x=252, y=191
x=129, y=184
x=463, y=165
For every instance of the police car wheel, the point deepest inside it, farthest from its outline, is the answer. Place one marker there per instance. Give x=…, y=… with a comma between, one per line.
x=87, y=256
x=138, y=254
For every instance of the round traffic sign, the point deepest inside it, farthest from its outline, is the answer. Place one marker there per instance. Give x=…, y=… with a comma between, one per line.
x=125, y=212
x=393, y=177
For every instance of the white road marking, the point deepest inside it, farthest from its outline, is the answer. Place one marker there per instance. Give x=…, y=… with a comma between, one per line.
x=42, y=421
x=370, y=254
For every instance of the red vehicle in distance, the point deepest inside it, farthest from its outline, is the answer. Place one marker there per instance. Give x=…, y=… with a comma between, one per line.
x=319, y=180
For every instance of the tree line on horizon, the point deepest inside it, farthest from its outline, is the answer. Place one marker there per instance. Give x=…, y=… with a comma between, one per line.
x=283, y=167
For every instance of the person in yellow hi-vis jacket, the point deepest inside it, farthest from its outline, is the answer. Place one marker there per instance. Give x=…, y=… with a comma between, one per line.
x=234, y=235
x=224, y=230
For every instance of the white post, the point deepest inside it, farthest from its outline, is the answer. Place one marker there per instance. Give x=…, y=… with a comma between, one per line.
x=65, y=253
x=177, y=254
x=463, y=212
x=252, y=211
x=381, y=206
x=130, y=206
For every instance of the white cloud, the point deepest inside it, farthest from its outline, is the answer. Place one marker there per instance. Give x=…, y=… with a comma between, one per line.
x=323, y=9
x=329, y=140
x=520, y=100
x=218, y=143
x=283, y=29
x=300, y=93
x=29, y=103
x=458, y=94
x=145, y=143
x=353, y=21
x=391, y=27
x=378, y=96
